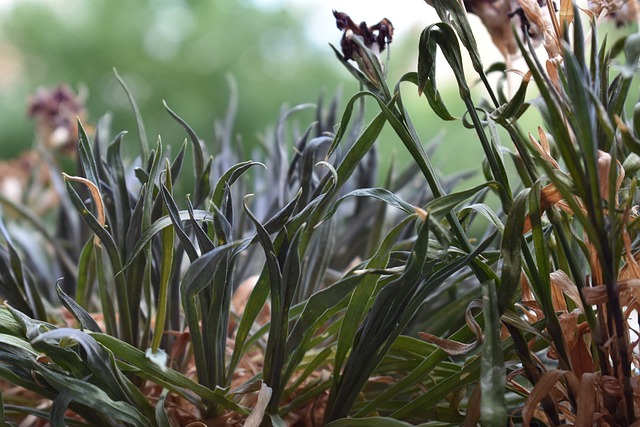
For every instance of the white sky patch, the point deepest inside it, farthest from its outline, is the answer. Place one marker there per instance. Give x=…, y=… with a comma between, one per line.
x=405, y=15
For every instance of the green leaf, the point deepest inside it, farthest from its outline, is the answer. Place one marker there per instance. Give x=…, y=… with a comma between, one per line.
x=441, y=206
x=22, y=346
x=174, y=214
x=58, y=408
x=203, y=184
x=198, y=276
x=632, y=53
x=167, y=240
x=357, y=151
x=31, y=218
x=377, y=331
x=452, y=12
x=162, y=419
x=159, y=225
x=359, y=75
x=510, y=112
x=169, y=378
x=203, y=240
x=381, y=194
x=444, y=36
x=8, y=324
x=118, y=184
x=99, y=361
x=142, y=134
x=229, y=177
x=87, y=160
x=492, y=369
x=84, y=319
x=3, y=421
x=46, y=415
x=360, y=298
x=430, y=90
x=94, y=397
x=485, y=211
x=14, y=285
x=511, y=252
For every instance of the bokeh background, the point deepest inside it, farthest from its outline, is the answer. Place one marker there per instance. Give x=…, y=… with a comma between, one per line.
x=184, y=52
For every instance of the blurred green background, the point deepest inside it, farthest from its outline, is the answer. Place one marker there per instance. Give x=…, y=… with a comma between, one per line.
x=182, y=52
x=173, y=50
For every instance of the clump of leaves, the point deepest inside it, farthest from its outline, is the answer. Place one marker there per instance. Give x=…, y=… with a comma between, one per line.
x=308, y=302
x=568, y=232
x=560, y=288
x=208, y=304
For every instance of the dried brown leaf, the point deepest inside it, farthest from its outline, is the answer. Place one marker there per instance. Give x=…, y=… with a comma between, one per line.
x=560, y=280
x=552, y=71
x=472, y=417
x=557, y=298
x=542, y=147
x=566, y=12
x=452, y=348
x=97, y=200
x=543, y=387
x=543, y=20
x=255, y=417
x=579, y=352
x=383, y=379
x=594, y=264
x=586, y=400
x=422, y=214
x=549, y=196
x=455, y=348
x=610, y=385
x=595, y=295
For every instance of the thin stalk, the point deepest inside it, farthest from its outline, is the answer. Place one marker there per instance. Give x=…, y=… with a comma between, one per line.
x=167, y=237
x=105, y=299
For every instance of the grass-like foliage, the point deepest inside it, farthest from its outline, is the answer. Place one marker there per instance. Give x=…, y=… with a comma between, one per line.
x=294, y=289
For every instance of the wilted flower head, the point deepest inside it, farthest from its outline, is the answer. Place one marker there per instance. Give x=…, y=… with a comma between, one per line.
x=622, y=12
x=538, y=20
x=375, y=37
x=496, y=16
x=56, y=112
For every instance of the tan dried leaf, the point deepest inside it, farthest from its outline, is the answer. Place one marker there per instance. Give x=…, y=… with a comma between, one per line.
x=255, y=417
x=604, y=170
x=557, y=297
x=581, y=358
x=552, y=71
x=560, y=280
x=455, y=348
x=543, y=147
x=451, y=347
x=549, y=196
x=542, y=389
x=586, y=400
x=97, y=200
x=422, y=214
x=595, y=295
x=594, y=264
x=545, y=27
x=566, y=12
